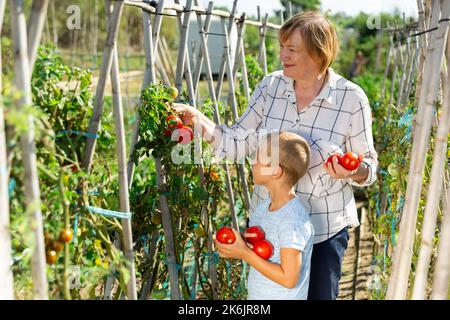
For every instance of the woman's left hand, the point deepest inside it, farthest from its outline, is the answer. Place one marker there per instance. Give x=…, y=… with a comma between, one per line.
x=336, y=171
x=236, y=250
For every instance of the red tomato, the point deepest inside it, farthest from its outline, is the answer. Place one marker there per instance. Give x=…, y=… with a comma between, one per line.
x=260, y=234
x=51, y=256
x=263, y=248
x=225, y=235
x=173, y=122
x=185, y=134
x=330, y=158
x=168, y=133
x=65, y=236
x=350, y=160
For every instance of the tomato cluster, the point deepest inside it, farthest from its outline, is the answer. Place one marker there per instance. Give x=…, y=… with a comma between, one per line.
x=54, y=246
x=349, y=160
x=261, y=246
x=183, y=133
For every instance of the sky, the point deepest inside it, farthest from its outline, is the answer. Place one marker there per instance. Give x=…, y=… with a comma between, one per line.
x=350, y=7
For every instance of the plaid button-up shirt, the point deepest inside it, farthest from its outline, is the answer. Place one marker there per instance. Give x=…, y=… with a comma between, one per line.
x=337, y=120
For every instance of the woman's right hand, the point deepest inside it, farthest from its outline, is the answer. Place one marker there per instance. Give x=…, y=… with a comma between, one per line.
x=188, y=114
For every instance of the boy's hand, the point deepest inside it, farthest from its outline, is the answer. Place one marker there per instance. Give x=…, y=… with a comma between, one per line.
x=237, y=250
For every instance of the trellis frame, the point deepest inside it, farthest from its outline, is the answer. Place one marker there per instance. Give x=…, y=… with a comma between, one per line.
x=109, y=67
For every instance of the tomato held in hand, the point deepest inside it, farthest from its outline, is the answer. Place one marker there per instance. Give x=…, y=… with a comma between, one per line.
x=330, y=158
x=260, y=234
x=350, y=161
x=173, y=122
x=185, y=134
x=263, y=248
x=225, y=235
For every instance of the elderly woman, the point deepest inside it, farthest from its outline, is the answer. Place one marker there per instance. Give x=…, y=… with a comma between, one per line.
x=308, y=98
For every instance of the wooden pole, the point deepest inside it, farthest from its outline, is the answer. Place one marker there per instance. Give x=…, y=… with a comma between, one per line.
x=398, y=283
x=386, y=69
x=433, y=194
x=212, y=93
x=94, y=124
x=225, y=49
x=183, y=46
x=411, y=73
x=262, y=58
x=205, y=29
x=168, y=235
x=423, y=40
x=32, y=194
x=123, y=180
x=6, y=276
x=149, y=77
x=394, y=73
x=232, y=97
x=404, y=71
x=35, y=27
x=441, y=270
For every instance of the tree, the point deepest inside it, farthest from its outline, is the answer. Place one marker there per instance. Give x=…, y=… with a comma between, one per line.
x=300, y=5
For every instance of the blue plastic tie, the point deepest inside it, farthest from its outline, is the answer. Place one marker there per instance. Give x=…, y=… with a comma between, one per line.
x=109, y=213
x=81, y=133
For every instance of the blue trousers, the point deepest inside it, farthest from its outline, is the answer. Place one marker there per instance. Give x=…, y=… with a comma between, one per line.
x=326, y=263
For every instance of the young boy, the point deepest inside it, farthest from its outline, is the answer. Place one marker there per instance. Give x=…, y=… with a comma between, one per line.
x=283, y=218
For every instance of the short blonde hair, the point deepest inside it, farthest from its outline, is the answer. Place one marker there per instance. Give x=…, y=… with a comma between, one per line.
x=318, y=34
x=294, y=154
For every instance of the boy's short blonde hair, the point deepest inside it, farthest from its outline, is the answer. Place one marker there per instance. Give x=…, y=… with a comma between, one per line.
x=318, y=35
x=294, y=154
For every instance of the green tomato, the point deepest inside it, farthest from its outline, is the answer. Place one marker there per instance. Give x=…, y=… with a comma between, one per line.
x=159, y=294
x=393, y=170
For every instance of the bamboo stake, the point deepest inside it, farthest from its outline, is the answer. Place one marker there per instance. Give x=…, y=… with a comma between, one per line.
x=183, y=46
x=262, y=58
x=423, y=45
x=205, y=29
x=222, y=63
x=433, y=195
x=398, y=283
x=411, y=73
x=212, y=93
x=386, y=69
x=123, y=181
x=157, y=28
x=35, y=28
x=404, y=72
x=169, y=236
x=6, y=276
x=394, y=73
x=94, y=124
x=32, y=194
x=244, y=72
x=149, y=77
x=442, y=268
x=55, y=32
x=231, y=91
x=204, y=216
x=165, y=54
